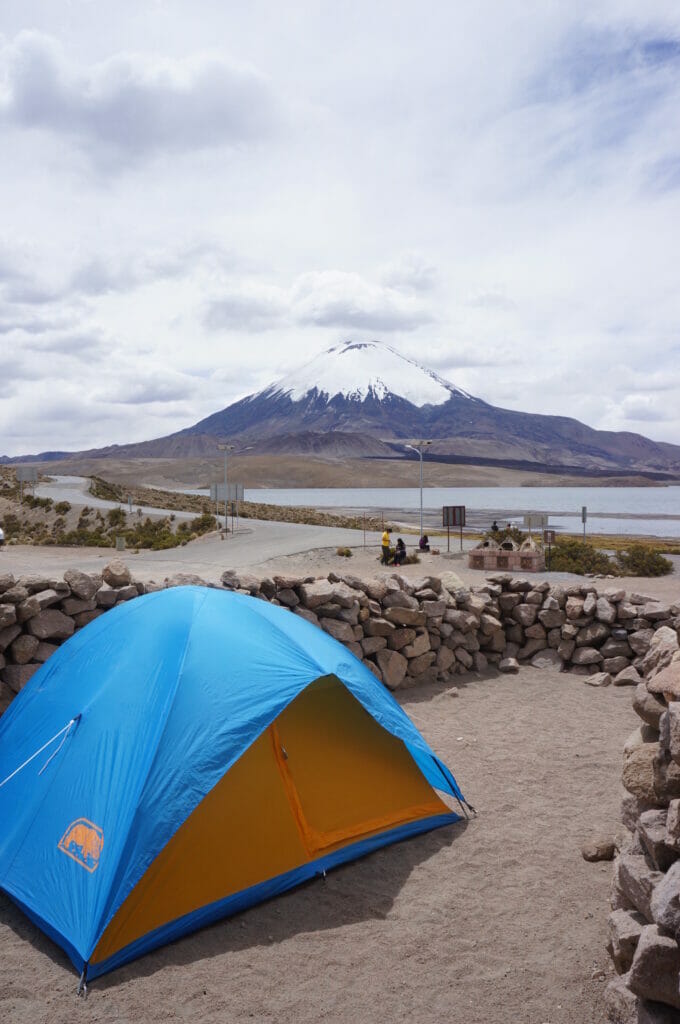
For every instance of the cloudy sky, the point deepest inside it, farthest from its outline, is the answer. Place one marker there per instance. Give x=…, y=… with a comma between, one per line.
x=197, y=196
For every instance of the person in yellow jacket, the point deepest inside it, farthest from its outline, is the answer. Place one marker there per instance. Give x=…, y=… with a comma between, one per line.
x=385, y=560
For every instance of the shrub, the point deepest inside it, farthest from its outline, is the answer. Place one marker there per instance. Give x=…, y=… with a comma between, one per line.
x=412, y=559
x=115, y=517
x=62, y=507
x=643, y=560
x=577, y=557
x=344, y=552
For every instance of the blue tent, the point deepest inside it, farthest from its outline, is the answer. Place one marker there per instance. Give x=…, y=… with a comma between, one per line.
x=191, y=753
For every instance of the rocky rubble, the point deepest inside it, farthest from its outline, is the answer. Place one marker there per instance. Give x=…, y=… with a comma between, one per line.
x=644, y=926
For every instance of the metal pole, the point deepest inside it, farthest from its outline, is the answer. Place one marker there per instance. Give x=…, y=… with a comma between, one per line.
x=364, y=531
x=225, y=491
x=420, y=452
x=448, y=534
x=461, y=536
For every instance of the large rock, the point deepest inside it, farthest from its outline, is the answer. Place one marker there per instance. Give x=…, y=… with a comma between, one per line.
x=340, y=630
x=616, y=665
x=372, y=644
x=598, y=679
x=628, y=676
x=419, y=646
x=551, y=618
x=574, y=607
x=640, y=640
x=445, y=658
x=649, y=706
x=16, y=676
x=656, y=964
x=605, y=611
x=524, y=614
x=393, y=667
x=508, y=665
x=405, y=616
x=586, y=656
x=116, y=573
x=667, y=681
x=666, y=776
x=612, y=648
x=548, y=659
x=665, y=902
x=595, y=633
x=23, y=648
x=624, y=928
x=651, y=830
x=8, y=615
x=82, y=585
x=451, y=581
x=51, y=625
x=638, y=767
x=663, y=646
x=464, y=621
x=637, y=881
x=399, y=599
x=417, y=666
x=378, y=627
x=401, y=637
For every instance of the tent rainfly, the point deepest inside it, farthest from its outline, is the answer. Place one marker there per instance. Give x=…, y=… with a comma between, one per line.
x=189, y=754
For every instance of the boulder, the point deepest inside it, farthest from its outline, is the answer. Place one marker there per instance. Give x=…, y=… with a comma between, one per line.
x=586, y=656
x=16, y=676
x=666, y=778
x=524, y=614
x=667, y=681
x=566, y=649
x=547, y=659
x=84, y=618
x=378, y=627
x=306, y=614
x=393, y=667
x=6, y=581
x=637, y=881
x=632, y=807
x=508, y=665
x=33, y=583
x=551, y=618
x=651, y=830
x=595, y=633
x=598, y=679
x=82, y=585
x=7, y=635
x=287, y=597
x=417, y=666
x=399, y=599
x=23, y=649
x=51, y=625
x=340, y=630
x=665, y=902
x=419, y=646
x=435, y=609
x=15, y=595
x=640, y=640
x=372, y=644
x=648, y=706
x=663, y=646
x=464, y=621
x=616, y=665
x=654, y=972
x=105, y=596
x=574, y=607
x=612, y=648
x=8, y=615
x=116, y=573
x=628, y=676
x=74, y=605
x=638, y=767
x=405, y=616
x=445, y=658
x=44, y=651
x=624, y=928
x=605, y=611
x=599, y=848
x=401, y=637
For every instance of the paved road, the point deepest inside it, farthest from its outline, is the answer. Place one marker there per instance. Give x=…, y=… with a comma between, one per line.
x=75, y=490
x=209, y=556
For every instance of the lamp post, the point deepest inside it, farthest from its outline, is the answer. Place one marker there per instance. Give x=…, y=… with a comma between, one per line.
x=417, y=446
x=225, y=448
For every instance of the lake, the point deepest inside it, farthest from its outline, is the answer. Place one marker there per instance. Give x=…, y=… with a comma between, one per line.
x=648, y=511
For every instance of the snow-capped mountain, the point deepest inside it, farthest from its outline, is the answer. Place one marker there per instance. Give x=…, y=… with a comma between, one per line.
x=364, y=399
x=358, y=370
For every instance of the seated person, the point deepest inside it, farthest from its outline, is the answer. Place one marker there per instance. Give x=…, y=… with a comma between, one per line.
x=424, y=543
x=400, y=552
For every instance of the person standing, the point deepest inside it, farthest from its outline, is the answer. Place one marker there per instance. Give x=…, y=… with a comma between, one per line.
x=385, y=560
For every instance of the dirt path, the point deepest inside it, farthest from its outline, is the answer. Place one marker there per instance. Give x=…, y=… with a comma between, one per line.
x=492, y=922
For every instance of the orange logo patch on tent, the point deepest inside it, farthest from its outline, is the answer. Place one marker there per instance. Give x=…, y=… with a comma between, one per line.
x=83, y=841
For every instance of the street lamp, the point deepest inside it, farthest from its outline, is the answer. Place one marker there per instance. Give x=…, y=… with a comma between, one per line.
x=417, y=446
x=225, y=448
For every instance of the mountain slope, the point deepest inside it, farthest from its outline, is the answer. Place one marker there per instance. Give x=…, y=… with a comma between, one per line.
x=365, y=399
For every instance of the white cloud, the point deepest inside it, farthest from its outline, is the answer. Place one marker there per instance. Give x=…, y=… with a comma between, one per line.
x=335, y=298
x=132, y=105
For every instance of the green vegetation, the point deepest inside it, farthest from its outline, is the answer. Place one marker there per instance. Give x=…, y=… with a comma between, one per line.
x=344, y=552
x=577, y=557
x=643, y=560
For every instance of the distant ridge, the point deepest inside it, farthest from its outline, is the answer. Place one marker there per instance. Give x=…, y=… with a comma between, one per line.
x=364, y=399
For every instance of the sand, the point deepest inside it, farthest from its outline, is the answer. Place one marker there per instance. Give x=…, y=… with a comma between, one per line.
x=495, y=921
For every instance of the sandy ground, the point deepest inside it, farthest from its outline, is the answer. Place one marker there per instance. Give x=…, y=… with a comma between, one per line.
x=495, y=921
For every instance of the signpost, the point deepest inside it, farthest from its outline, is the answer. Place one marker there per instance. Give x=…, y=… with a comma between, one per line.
x=584, y=517
x=536, y=521
x=226, y=493
x=26, y=475
x=453, y=515
x=549, y=540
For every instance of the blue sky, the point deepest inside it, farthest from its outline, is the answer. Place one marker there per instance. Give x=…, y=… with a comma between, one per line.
x=198, y=197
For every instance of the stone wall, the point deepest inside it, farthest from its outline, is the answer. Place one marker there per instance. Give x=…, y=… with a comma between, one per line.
x=408, y=631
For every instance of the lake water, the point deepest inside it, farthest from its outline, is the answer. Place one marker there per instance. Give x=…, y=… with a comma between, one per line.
x=648, y=511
